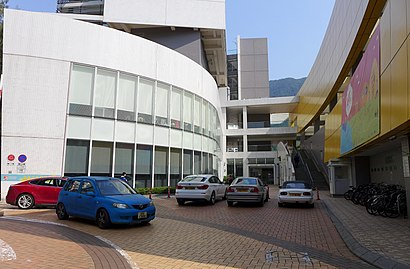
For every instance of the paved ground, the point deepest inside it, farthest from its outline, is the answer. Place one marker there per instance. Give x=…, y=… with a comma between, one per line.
x=202, y=236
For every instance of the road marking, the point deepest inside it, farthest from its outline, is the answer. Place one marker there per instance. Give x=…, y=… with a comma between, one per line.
x=121, y=251
x=34, y=220
x=6, y=252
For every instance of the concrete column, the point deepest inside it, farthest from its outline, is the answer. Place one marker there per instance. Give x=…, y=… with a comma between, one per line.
x=245, y=117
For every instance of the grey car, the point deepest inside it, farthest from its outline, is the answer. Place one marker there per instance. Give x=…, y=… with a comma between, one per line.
x=247, y=189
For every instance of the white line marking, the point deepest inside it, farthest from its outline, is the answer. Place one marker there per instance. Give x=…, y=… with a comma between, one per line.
x=121, y=251
x=6, y=252
x=34, y=220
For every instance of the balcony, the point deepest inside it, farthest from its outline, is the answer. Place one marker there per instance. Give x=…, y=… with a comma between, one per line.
x=89, y=7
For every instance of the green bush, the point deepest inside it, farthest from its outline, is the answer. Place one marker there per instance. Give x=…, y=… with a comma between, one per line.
x=156, y=190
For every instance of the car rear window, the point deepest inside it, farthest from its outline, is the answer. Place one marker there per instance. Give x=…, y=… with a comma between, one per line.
x=246, y=181
x=296, y=185
x=194, y=179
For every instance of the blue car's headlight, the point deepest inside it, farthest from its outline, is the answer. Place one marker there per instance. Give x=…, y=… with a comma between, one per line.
x=119, y=205
x=151, y=203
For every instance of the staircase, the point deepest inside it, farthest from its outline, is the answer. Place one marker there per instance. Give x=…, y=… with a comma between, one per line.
x=301, y=173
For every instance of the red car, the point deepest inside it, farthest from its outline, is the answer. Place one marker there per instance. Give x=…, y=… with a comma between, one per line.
x=37, y=191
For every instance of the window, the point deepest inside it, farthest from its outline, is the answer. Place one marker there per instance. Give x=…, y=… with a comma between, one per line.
x=188, y=111
x=101, y=158
x=81, y=87
x=197, y=162
x=144, y=164
x=175, y=168
x=197, y=115
x=87, y=187
x=188, y=169
x=126, y=98
x=76, y=158
x=105, y=94
x=176, y=111
x=145, y=94
x=73, y=185
x=124, y=159
x=161, y=165
x=161, y=105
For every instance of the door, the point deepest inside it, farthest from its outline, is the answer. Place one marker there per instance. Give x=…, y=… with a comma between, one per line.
x=87, y=199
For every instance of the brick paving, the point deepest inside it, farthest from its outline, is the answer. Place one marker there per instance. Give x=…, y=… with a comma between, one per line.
x=202, y=236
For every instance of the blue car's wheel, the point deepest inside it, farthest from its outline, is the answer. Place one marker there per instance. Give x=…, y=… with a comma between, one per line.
x=103, y=219
x=61, y=212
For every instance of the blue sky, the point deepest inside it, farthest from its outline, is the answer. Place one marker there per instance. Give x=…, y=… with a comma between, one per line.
x=294, y=28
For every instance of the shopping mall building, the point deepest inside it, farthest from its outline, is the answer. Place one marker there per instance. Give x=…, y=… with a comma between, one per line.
x=102, y=87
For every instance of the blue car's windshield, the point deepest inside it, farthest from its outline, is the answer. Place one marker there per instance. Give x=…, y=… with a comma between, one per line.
x=114, y=187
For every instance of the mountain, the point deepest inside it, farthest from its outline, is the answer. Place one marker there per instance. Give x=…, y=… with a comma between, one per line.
x=285, y=87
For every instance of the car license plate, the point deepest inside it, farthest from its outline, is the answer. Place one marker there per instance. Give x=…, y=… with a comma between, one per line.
x=142, y=215
x=189, y=188
x=294, y=194
x=241, y=190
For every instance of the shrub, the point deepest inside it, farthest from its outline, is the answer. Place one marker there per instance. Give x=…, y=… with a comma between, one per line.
x=156, y=190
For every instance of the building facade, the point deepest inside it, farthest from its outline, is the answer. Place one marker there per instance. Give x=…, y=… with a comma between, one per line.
x=99, y=99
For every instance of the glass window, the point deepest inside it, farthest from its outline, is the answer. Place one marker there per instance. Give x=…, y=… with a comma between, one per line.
x=205, y=163
x=105, y=94
x=175, y=168
x=101, y=158
x=210, y=163
x=238, y=167
x=161, y=104
x=76, y=157
x=87, y=187
x=161, y=165
x=144, y=164
x=145, y=94
x=81, y=87
x=197, y=162
x=176, y=111
x=204, y=116
x=188, y=111
x=124, y=159
x=126, y=97
x=188, y=169
x=197, y=115
x=230, y=167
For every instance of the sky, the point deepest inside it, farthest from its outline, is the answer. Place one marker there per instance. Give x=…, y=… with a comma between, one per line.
x=294, y=28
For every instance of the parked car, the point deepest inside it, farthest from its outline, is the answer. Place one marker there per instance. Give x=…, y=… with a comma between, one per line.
x=35, y=192
x=247, y=189
x=295, y=192
x=200, y=187
x=106, y=200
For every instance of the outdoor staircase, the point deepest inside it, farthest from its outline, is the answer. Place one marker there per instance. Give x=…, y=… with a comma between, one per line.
x=301, y=173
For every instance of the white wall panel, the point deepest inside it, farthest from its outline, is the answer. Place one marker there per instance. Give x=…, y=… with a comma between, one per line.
x=145, y=134
x=197, y=142
x=44, y=155
x=185, y=13
x=102, y=130
x=176, y=139
x=79, y=127
x=187, y=140
x=34, y=97
x=125, y=132
x=162, y=136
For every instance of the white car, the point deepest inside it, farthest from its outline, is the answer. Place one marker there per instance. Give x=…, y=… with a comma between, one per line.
x=200, y=187
x=295, y=192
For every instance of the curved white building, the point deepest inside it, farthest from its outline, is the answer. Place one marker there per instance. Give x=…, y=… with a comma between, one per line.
x=82, y=98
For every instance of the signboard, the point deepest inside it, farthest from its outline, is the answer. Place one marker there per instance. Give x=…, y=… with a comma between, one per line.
x=360, y=101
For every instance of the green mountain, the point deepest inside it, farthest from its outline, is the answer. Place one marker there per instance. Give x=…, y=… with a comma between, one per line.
x=285, y=87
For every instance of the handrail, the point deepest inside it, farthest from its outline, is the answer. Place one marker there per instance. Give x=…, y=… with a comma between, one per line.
x=306, y=168
x=320, y=166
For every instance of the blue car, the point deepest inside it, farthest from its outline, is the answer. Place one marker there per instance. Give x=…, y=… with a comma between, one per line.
x=104, y=199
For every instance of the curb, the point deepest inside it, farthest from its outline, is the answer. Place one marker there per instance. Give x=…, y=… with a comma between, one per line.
x=361, y=251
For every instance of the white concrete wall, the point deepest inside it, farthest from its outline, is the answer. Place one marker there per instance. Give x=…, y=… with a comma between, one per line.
x=208, y=14
x=37, y=64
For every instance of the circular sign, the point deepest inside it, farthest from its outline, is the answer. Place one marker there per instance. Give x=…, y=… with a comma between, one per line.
x=10, y=157
x=22, y=158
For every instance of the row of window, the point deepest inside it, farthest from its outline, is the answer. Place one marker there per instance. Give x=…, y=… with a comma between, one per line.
x=114, y=95
x=143, y=163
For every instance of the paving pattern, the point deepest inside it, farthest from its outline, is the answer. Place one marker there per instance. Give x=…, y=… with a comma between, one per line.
x=200, y=236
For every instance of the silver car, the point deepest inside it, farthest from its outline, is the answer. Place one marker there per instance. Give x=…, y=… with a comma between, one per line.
x=295, y=192
x=247, y=189
x=200, y=187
